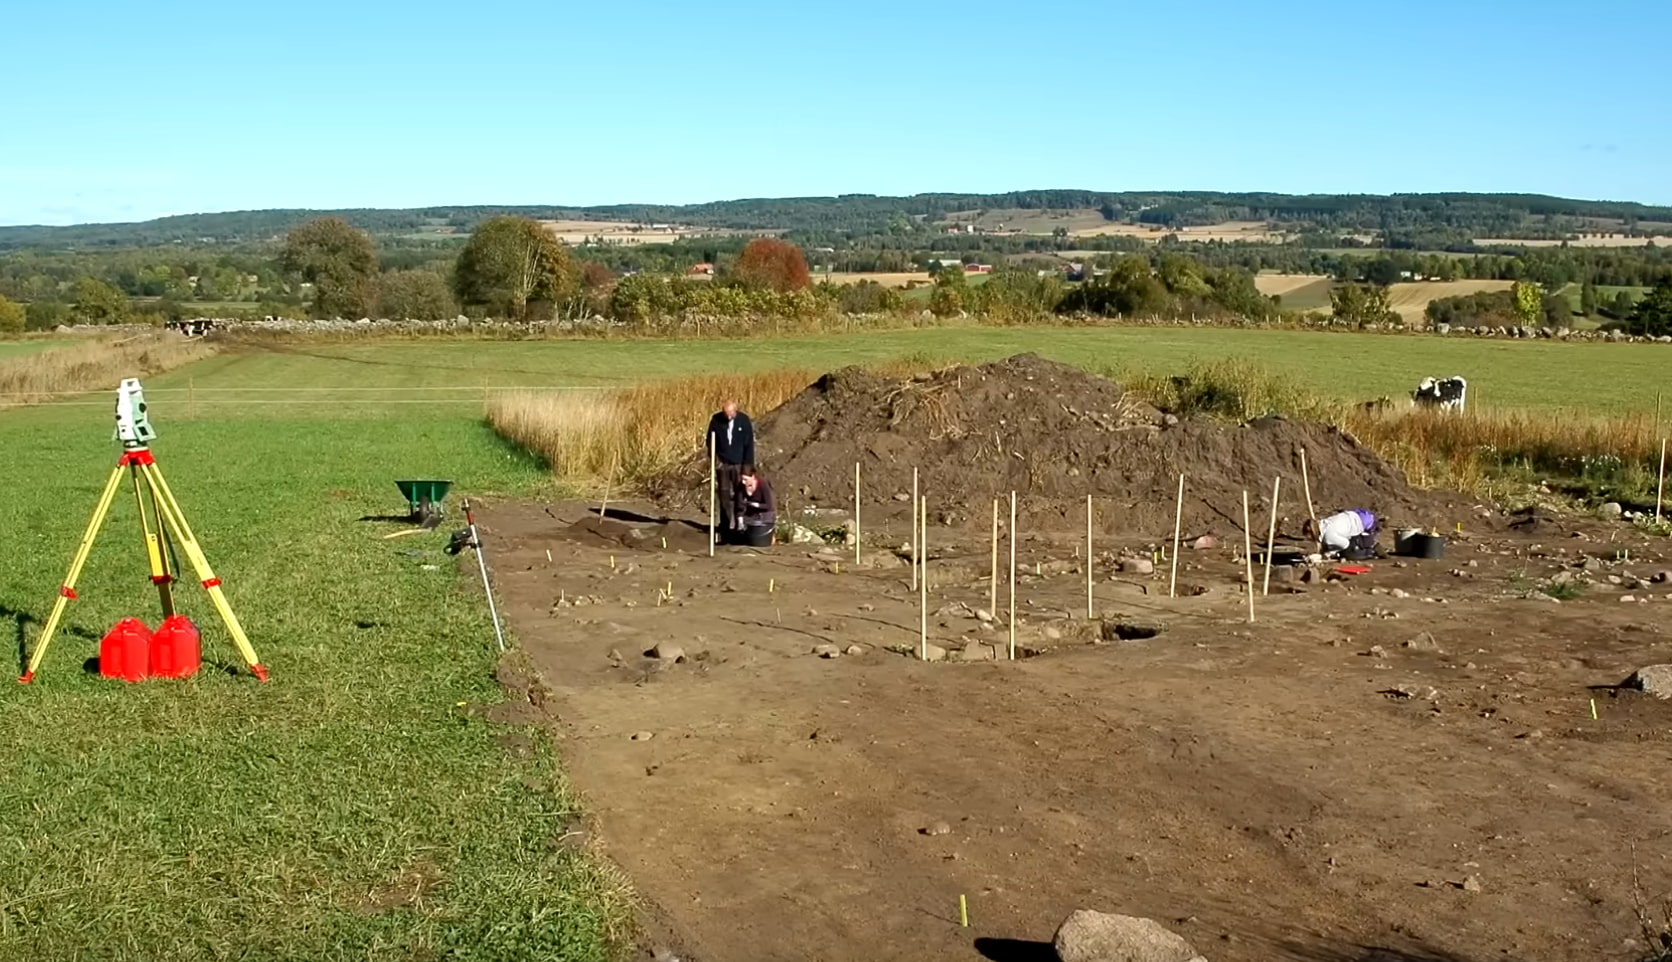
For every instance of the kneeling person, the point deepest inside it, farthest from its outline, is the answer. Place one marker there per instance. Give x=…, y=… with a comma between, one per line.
x=1351, y=533
x=757, y=509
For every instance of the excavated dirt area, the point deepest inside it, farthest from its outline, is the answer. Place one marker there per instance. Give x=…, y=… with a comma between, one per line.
x=1398, y=765
x=1055, y=434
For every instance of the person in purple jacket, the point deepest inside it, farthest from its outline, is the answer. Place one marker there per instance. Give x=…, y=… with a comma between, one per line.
x=1336, y=532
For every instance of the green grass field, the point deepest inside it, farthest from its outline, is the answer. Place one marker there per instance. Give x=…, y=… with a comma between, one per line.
x=19, y=348
x=390, y=377
x=358, y=805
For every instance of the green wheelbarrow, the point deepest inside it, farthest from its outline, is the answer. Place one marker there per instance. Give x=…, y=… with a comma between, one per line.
x=424, y=499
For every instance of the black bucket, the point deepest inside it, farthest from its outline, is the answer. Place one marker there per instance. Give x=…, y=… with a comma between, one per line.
x=757, y=535
x=1419, y=544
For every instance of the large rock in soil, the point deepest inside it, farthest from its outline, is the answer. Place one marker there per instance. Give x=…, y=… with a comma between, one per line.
x=1087, y=936
x=1653, y=679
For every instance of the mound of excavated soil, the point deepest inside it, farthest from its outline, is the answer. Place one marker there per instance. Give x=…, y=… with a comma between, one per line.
x=1055, y=434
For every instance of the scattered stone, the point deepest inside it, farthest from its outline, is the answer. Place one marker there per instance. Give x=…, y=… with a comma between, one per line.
x=931, y=652
x=984, y=616
x=1471, y=884
x=936, y=828
x=1534, y=735
x=979, y=651
x=1137, y=566
x=1423, y=642
x=1611, y=511
x=1616, y=580
x=1206, y=542
x=1629, y=599
x=1088, y=936
x=1652, y=679
x=643, y=736
x=902, y=496
x=1400, y=593
x=801, y=534
x=1424, y=692
x=1052, y=634
x=1377, y=651
x=1662, y=577
x=666, y=651
x=827, y=651
x=856, y=650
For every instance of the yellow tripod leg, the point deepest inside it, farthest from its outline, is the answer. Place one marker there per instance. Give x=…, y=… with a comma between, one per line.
x=160, y=575
x=176, y=519
x=66, y=591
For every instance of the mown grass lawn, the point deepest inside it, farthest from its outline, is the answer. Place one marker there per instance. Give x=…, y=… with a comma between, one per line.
x=1501, y=372
x=356, y=806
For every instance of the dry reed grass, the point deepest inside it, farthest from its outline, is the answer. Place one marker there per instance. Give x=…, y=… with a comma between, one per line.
x=633, y=436
x=93, y=365
x=1481, y=451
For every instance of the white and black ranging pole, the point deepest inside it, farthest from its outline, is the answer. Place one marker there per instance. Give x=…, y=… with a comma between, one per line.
x=487, y=589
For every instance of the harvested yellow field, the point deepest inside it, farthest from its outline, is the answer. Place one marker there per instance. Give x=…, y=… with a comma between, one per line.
x=1411, y=299
x=900, y=279
x=623, y=232
x=1583, y=240
x=1281, y=284
x=1090, y=223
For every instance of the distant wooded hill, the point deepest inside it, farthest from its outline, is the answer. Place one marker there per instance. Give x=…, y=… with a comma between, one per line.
x=1477, y=215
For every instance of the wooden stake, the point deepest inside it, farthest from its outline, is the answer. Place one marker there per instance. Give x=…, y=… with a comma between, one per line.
x=923, y=582
x=1012, y=576
x=1248, y=555
x=856, y=512
x=1660, y=489
x=1306, y=484
x=1178, y=522
x=993, y=578
x=191, y=400
x=914, y=550
x=713, y=499
x=1090, y=610
x=1271, y=535
x=609, y=483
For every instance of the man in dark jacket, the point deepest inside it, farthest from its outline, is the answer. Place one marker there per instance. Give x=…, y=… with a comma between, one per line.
x=732, y=435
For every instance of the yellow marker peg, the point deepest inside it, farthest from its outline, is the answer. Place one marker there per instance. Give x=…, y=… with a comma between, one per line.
x=838, y=568
x=963, y=911
x=771, y=585
x=664, y=544
x=1593, y=709
x=612, y=562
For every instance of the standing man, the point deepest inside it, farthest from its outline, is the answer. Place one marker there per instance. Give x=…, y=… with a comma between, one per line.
x=733, y=436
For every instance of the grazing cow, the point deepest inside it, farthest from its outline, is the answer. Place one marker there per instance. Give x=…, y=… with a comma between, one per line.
x=1447, y=394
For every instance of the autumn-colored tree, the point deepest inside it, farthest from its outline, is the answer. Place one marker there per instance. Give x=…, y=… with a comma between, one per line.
x=771, y=264
x=514, y=267
x=11, y=317
x=340, y=261
x=595, y=276
x=1529, y=300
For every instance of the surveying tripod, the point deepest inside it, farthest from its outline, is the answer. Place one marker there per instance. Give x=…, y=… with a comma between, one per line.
x=150, y=490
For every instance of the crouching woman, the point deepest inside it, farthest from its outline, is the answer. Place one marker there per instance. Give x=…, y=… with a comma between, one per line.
x=757, y=509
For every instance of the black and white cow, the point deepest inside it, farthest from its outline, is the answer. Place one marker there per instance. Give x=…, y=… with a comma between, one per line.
x=1447, y=394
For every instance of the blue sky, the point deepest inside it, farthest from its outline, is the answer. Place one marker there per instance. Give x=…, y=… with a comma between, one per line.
x=124, y=111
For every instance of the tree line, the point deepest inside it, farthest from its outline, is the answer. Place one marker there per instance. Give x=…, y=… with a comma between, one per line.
x=1469, y=215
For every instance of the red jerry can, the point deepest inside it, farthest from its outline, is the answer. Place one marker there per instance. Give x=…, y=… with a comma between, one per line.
x=125, y=653
x=175, y=650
